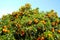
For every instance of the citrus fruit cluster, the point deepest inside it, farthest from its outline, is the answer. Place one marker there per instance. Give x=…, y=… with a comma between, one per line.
x=30, y=24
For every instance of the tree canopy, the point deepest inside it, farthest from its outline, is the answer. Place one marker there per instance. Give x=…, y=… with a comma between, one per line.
x=30, y=24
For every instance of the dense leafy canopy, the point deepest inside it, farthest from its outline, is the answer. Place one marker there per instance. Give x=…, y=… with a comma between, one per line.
x=30, y=24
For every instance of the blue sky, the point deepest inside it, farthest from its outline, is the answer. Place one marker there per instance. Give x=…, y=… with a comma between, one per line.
x=8, y=6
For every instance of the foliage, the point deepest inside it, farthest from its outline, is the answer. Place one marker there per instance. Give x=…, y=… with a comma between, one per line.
x=30, y=24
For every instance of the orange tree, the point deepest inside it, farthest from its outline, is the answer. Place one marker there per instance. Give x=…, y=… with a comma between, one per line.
x=30, y=24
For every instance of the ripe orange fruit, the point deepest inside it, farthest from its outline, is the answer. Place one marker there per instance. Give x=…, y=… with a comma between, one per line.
x=38, y=38
x=49, y=15
x=52, y=30
x=27, y=5
x=21, y=13
x=53, y=23
x=43, y=22
x=49, y=35
x=35, y=21
x=56, y=24
x=30, y=22
x=42, y=38
x=4, y=30
x=22, y=32
x=18, y=25
x=16, y=16
x=4, y=27
x=58, y=31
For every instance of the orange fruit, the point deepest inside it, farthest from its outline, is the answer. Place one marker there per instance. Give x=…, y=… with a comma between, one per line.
x=35, y=21
x=58, y=31
x=52, y=30
x=16, y=16
x=43, y=22
x=21, y=13
x=56, y=23
x=53, y=23
x=27, y=5
x=22, y=32
x=4, y=27
x=49, y=15
x=18, y=25
x=30, y=22
x=49, y=35
x=4, y=30
x=42, y=38
x=38, y=38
